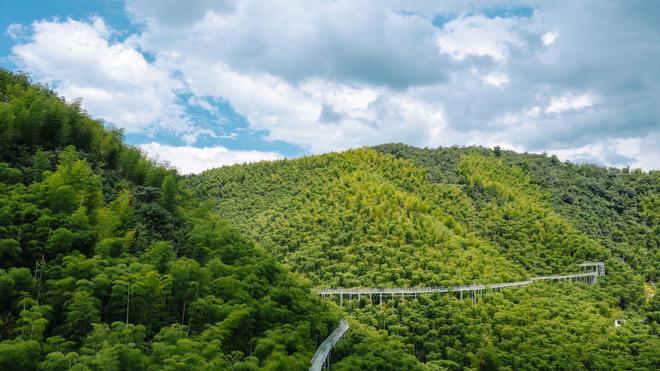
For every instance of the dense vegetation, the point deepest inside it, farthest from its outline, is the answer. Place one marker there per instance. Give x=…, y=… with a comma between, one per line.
x=618, y=208
x=401, y=216
x=106, y=262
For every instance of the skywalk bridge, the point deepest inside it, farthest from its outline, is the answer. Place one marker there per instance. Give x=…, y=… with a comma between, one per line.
x=590, y=274
x=321, y=358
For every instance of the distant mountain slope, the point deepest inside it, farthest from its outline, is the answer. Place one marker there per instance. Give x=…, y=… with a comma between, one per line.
x=616, y=207
x=401, y=216
x=352, y=209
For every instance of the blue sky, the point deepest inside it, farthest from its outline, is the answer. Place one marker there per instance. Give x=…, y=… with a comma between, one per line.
x=205, y=83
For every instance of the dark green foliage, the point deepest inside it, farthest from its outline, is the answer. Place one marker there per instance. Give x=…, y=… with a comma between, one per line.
x=81, y=312
x=159, y=254
x=10, y=253
x=9, y=175
x=106, y=264
x=19, y=355
x=168, y=191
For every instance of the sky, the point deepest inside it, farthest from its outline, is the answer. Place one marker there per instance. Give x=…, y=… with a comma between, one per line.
x=206, y=83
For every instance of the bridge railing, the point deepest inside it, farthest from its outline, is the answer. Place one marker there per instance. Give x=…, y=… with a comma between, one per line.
x=322, y=355
x=594, y=270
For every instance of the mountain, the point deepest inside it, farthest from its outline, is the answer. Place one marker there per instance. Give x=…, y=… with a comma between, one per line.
x=107, y=262
x=111, y=261
x=399, y=216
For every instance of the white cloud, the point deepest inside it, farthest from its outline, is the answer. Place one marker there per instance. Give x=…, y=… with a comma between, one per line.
x=636, y=152
x=175, y=12
x=193, y=160
x=342, y=41
x=292, y=113
x=497, y=79
x=15, y=31
x=477, y=35
x=549, y=38
x=115, y=81
x=570, y=101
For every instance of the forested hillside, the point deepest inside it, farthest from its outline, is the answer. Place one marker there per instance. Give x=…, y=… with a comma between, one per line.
x=398, y=216
x=106, y=262
x=619, y=208
x=110, y=261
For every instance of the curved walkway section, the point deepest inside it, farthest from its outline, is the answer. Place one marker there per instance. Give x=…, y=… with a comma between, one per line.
x=323, y=352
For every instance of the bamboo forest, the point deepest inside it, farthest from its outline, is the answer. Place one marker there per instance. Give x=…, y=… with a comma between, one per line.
x=112, y=261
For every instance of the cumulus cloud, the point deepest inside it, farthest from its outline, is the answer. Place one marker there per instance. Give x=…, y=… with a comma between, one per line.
x=174, y=12
x=569, y=102
x=341, y=41
x=497, y=79
x=481, y=36
x=295, y=113
x=115, y=81
x=194, y=160
x=549, y=38
x=634, y=152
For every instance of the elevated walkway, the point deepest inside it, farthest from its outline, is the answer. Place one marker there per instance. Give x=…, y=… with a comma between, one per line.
x=590, y=274
x=322, y=356
x=591, y=271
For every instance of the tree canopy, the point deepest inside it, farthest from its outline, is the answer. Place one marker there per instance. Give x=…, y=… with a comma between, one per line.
x=399, y=216
x=106, y=263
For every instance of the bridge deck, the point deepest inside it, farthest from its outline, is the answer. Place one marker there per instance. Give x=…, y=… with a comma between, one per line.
x=591, y=277
x=323, y=351
x=565, y=276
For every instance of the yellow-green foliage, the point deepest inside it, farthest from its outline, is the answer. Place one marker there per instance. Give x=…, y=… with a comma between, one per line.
x=519, y=219
x=357, y=218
